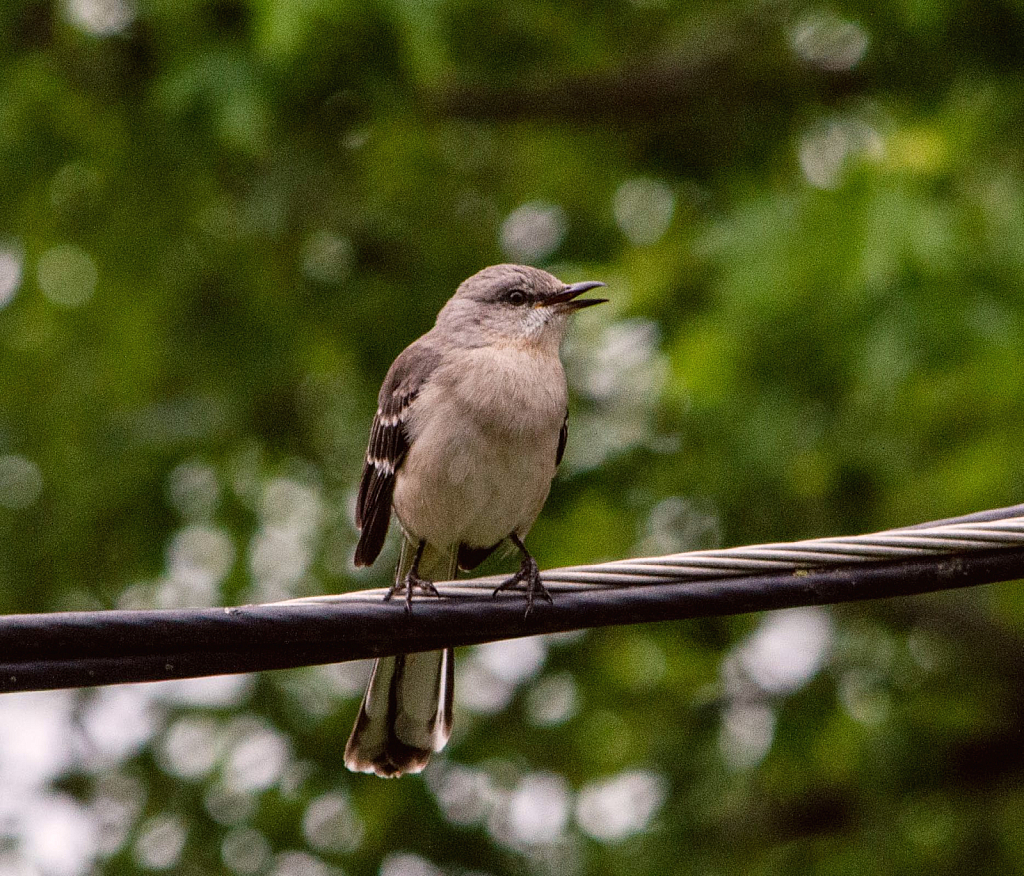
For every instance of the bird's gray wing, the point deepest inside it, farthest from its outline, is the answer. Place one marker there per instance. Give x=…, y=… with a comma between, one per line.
x=389, y=442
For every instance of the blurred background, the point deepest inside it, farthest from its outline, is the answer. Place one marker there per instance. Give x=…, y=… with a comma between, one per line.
x=220, y=220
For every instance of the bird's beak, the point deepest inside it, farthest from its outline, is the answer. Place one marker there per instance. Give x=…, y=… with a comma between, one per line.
x=569, y=296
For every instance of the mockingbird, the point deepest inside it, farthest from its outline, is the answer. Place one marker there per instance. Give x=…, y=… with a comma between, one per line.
x=471, y=424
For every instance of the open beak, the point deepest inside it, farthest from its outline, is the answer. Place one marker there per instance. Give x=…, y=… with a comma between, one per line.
x=569, y=296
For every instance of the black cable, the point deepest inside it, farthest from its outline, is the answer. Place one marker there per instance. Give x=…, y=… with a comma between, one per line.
x=77, y=649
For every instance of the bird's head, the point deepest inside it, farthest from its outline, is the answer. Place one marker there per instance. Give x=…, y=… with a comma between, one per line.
x=514, y=304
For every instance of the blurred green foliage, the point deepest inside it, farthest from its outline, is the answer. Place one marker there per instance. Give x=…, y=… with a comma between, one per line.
x=222, y=220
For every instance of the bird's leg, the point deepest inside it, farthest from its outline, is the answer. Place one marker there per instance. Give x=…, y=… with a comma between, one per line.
x=412, y=580
x=528, y=574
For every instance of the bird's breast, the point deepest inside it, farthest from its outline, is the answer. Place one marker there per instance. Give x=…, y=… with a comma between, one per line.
x=483, y=442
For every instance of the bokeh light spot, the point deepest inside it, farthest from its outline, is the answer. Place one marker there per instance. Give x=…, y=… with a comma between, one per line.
x=193, y=489
x=787, y=649
x=228, y=806
x=533, y=231
x=161, y=841
x=643, y=209
x=198, y=559
x=257, y=760
x=118, y=721
x=464, y=794
x=748, y=729
x=21, y=482
x=11, y=268
x=100, y=17
x=331, y=824
x=327, y=258
x=614, y=809
x=216, y=691
x=115, y=806
x=477, y=690
x=60, y=837
x=536, y=812
x=553, y=700
x=67, y=275
x=514, y=660
x=864, y=697
x=831, y=146
x=828, y=41
x=407, y=864
x=293, y=863
x=677, y=524
x=190, y=747
x=245, y=851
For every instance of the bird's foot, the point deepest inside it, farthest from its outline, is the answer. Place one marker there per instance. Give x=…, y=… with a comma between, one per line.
x=407, y=585
x=529, y=575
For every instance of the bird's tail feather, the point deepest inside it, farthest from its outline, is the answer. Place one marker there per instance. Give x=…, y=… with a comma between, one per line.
x=406, y=713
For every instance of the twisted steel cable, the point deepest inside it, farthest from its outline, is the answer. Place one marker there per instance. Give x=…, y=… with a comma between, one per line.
x=78, y=649
x=895, y=544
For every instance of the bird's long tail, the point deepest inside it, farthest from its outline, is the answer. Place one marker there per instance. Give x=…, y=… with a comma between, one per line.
x=406, y=711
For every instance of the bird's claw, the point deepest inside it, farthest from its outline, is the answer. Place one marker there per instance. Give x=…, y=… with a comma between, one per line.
x=529, y=575
x=407, y=585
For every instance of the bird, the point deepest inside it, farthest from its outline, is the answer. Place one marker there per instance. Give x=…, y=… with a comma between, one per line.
x=471, y=425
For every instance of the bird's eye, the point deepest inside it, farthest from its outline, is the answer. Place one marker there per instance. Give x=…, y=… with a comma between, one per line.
x=516, y=297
